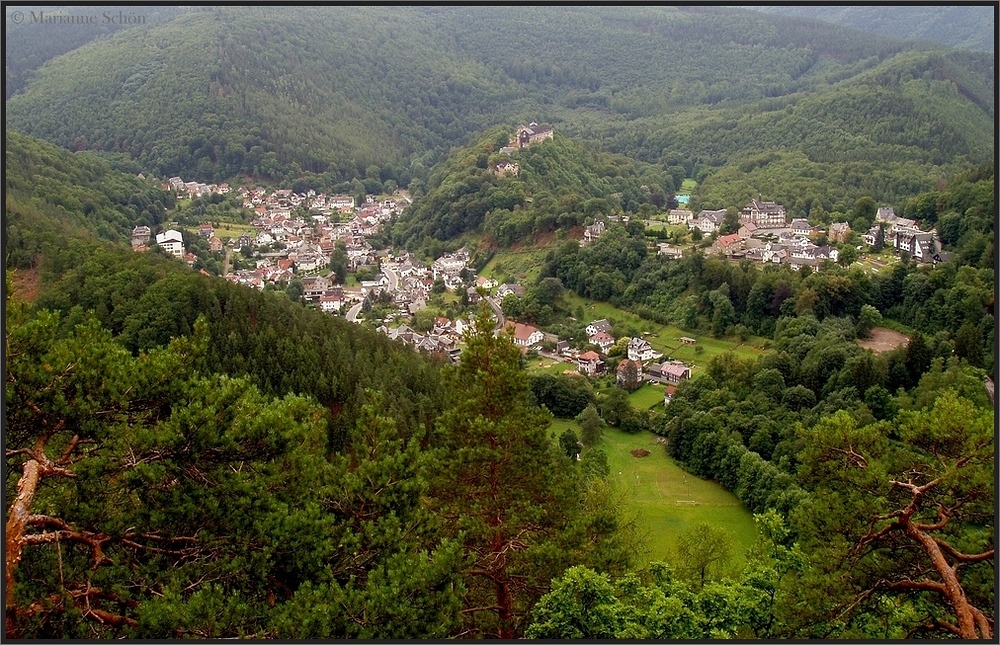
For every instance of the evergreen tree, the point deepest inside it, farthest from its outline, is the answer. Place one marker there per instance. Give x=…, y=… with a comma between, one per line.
x=879, y=239
x=907, y=520
x=501, y=486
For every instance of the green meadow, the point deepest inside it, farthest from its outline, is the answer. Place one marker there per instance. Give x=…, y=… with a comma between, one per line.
x=665, y=500
x=648, y=396
x=226, y=230
x=516, y=265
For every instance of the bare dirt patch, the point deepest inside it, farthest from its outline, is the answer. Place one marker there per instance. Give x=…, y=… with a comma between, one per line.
x=883, y=340
x=26, y=283
x=639, y=452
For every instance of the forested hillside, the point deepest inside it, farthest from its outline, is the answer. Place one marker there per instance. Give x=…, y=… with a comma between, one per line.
x=190, y=458
x=559, y=185
x=383, y=93
x=33, y=35
x=262, y=91
x=218, y=461
x=964, y=26
x=53, y=196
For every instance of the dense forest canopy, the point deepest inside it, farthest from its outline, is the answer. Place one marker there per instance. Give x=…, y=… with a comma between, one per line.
x=964, y=26
x=559, y=184
x=33, y=35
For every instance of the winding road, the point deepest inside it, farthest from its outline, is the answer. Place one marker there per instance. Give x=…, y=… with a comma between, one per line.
x=352, y=313
x=496, y=312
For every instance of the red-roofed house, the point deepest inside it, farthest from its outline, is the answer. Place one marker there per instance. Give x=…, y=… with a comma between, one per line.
x=590, y=363
x=674, y=373
x=668, y=394
x=728, y=244
x=602, y=339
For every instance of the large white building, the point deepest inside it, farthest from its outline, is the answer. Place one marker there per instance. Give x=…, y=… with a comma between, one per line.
x=172, y=242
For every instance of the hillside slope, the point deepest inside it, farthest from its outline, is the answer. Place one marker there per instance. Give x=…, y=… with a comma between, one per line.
x=33, y=35
x=559, y=184
x=382, y=93
x=53, y=196
x=964, y=26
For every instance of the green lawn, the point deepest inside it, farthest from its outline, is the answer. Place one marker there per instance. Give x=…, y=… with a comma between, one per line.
x=540, y=365
x=687, y=186
x=660, y=492
x=227, y=230
x=508, y=265
x=647, y=396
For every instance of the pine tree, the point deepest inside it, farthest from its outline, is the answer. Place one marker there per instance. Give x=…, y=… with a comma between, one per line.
x=501, y=484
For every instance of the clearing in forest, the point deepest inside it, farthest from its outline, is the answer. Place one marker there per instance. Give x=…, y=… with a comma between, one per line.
x=665, y=499
x=883, y=340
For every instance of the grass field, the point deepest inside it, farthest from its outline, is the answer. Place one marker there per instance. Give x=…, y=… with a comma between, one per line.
x=509, y=265
x=539, y=365
x=227, y=229
x=647, y=396
x=688, y=185
x=660, y=492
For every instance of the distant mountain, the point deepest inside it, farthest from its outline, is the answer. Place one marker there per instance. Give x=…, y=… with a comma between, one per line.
x=351, y=97
x=964, y=26
x=36, y=34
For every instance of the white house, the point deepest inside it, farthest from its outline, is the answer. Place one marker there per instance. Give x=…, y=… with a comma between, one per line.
x=640, y=350
x=800, y=227
x=525, y=335
x=597, y=326
x=679, y=216
x=708, y=221
x=172, y=242
x=330, y=303
x=602, y=339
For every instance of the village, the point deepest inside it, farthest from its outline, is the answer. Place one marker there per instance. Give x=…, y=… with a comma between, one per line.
x=299, y=233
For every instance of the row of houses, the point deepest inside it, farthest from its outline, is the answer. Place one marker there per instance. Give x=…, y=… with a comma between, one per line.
x=436, y=342
x=903, y=234
x=449, y=267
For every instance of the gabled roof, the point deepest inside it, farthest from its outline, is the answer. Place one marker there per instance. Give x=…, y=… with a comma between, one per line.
x=601, y=337
x=521, y=332
x=675, y=370
x=729, y=240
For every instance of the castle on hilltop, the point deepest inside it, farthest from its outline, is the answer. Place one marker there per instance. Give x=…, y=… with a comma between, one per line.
x=529, y=134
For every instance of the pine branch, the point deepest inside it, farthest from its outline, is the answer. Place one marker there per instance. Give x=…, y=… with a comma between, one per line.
x=917, y=585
